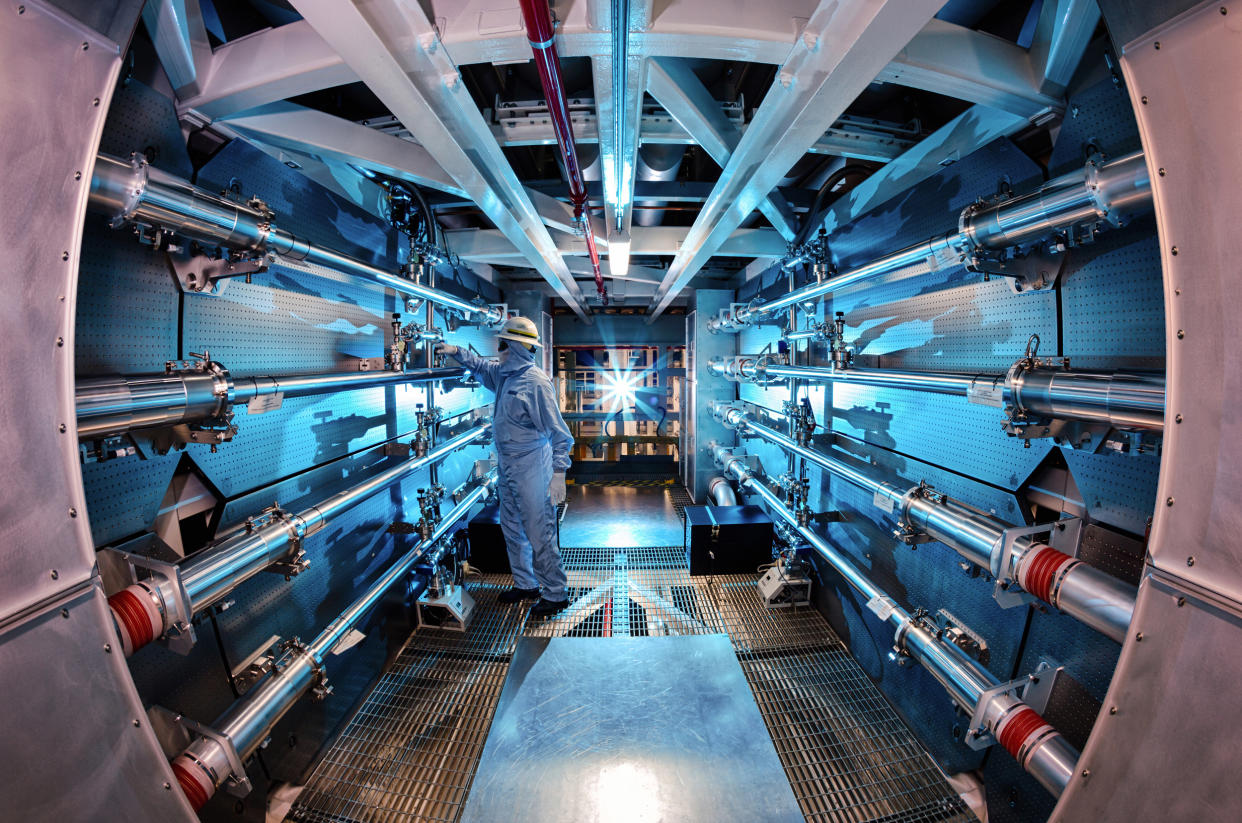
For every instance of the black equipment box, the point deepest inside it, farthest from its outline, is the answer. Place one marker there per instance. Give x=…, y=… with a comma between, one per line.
x=487, y=542
x=727, y=539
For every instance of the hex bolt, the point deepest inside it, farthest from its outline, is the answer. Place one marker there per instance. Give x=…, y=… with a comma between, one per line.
x=136, y=723
x=1138, y=638
x=21, y=9
x=1169, y=502
x=107, y=648
x=1190, y=561
x=62, y=428
x=95, y=102
x=64, y=613
x=167, y=786
x=60, y=342
x=1173, y=251
x=1181, y=601
x=1177, y=419
x=55, y=574
x=1181, y=333
x=1112, y=710
x=77, y=175
x=64, y=255
x=1160, y=171
x=1157, y=44
x=73, y=512
x=1086, y=774
x=85, y=46
x=1144, y=99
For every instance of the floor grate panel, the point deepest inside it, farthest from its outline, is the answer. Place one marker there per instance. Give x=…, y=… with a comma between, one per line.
x=410, y=752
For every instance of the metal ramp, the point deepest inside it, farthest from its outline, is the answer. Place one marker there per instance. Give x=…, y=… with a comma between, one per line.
x=411, y=751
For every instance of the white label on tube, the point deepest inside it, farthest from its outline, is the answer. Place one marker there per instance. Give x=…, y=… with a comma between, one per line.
x=267, y=402
x=881, y=607
x=883, y=502
x=987, y=394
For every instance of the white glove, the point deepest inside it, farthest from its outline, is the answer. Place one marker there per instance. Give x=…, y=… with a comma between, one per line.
x=446, y=350
x=556, y=490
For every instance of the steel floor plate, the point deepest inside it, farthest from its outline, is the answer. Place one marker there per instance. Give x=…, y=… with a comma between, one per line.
x=629, y=729
x=621, y=516
x=412, y=750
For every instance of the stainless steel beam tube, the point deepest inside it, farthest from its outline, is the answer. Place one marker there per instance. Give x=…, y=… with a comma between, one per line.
x=136, y=192
x=208, y=577
x=143, y=611
x=114, y=405
x=1087, y=594
x=205, y=764
x=1127, y=401
x=1097, y=192
x=1036, y=746
x=929, y=381
x=1111, y=192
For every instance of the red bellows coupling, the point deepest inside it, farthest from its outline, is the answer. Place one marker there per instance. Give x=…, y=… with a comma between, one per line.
x=1041, y=569
x=196, y=785
x=137, y=618
x=538, y=17
x=1020, y=728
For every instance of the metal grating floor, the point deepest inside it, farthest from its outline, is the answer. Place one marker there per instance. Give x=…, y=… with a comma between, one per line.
x=410, y=752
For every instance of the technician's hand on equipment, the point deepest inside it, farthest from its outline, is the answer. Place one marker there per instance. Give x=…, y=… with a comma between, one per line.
x=446, y=350
x=557, y=488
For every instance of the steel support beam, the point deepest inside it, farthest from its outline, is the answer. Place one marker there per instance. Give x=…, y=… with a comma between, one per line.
x=676, y=87
x=176, y=27
x=842, y=48
x=396, y=50
x=1061, y=37
x=941, y=57
x=337, y=141
x=959, y=62
x=495, y=247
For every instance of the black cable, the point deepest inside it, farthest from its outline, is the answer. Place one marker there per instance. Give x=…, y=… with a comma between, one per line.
x=815, y=215
x=429, y=220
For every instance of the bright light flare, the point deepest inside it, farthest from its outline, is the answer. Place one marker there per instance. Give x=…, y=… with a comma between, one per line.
x=621, y=390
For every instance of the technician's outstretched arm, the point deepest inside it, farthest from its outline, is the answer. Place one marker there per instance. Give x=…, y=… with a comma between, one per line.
x=485, y=369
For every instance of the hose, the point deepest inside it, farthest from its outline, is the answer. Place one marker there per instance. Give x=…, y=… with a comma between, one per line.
x=814, y=215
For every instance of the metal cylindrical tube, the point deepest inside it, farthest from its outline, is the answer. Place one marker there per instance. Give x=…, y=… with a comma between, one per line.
x=1034, y=743
x=110, y=405
x=1093, y=597
x=211, y=575
x=204, y=764
x=134, y=191
x=115, y=405
x=1126, y=401
x=736, y=419
x=721, y=493
x=919, y=253
x=1091, y=194
x=329, y=637
x=306, y=385
x=974, y=536
x=935, y=382
x=1109, y=192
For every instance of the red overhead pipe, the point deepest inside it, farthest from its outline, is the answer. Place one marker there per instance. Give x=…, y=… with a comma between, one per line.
x=538, y=17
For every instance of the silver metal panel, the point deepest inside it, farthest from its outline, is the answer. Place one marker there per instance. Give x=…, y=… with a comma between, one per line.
x=45, y=545
x=676, y=736
x=620, y=516
x=707, y=389
x=1192, y=92
x=1176, y=698
x=1174, y=690
x=77, y=745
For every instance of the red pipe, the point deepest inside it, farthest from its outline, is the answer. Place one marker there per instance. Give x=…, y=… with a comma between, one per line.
x=538, y=17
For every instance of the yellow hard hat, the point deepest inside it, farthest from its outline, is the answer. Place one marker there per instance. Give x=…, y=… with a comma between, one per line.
x=520, y=330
